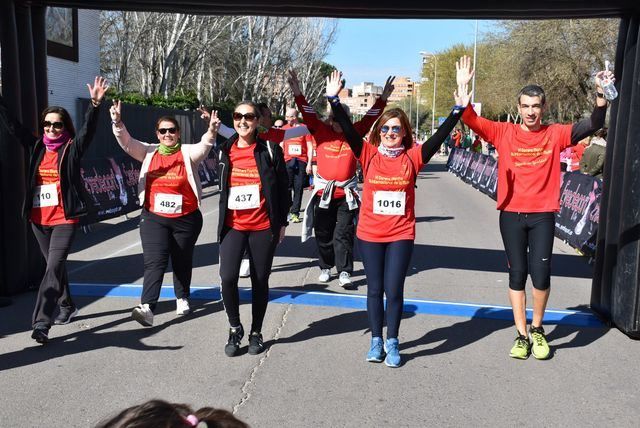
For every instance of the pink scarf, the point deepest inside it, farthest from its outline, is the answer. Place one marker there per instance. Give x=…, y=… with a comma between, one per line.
x=53, y=144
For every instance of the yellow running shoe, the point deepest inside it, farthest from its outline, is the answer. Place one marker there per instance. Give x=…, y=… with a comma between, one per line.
x=540, y=347
x=521, y=348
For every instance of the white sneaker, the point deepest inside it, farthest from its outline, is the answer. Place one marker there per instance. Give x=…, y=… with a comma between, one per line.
x=245, y=267
x=182, y=307
x=325, y=275
x=344, y=279
x=142, y=313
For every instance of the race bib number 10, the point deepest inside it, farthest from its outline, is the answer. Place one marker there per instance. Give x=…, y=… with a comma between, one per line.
x=167, y=203
x=244, y=197
x=45, y=196
x=389, y=203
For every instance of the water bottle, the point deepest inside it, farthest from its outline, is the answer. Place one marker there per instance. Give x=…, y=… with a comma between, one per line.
x=609, y=89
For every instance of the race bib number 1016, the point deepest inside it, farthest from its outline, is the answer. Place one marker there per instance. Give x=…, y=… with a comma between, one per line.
x=389, y=203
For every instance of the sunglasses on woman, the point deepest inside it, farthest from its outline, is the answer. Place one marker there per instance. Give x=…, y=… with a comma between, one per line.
x=395, y=129
x=163, y=131
x=248, y=116
x=55, y=125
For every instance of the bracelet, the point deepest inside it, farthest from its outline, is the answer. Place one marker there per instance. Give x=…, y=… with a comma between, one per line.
x=599, y=94
x=334, y=99
x=116, y=122
x=457, y=109
x=95, y=103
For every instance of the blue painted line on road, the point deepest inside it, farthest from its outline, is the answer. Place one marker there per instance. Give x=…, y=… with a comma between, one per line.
x=351, y=301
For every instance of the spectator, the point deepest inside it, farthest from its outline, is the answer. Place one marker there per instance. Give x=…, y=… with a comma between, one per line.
x=592, y=162
x=476, y=146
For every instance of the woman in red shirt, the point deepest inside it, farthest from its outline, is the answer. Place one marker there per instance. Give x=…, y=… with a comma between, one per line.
x=254, y=204
x=387, y=222
x=170, y=192
x=54, y=204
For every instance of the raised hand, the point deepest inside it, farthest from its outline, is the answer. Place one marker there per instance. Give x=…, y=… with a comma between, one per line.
x=334, y=83
x=464, y=73
x=204, y=114
x=214, y=123
x=602, y=75
x=462, y=95
x=388, y=88
x=294, y=83
x=98, y=89
x=115, y=111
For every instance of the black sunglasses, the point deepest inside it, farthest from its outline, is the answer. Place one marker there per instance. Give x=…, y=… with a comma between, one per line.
x=248, y=116
x=56, y=125
x=163, y=131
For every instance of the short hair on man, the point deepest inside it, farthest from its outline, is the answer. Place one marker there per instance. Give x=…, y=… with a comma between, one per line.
x=532, y=91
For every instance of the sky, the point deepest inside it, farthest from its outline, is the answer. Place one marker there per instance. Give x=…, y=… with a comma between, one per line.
x=369, y=50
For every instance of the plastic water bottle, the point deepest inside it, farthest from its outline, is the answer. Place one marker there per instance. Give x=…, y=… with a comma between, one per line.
x=609, y=89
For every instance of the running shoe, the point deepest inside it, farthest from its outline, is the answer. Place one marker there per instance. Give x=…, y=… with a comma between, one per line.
x=521, y=348
x=376, y=352
x=66, y=315
x=143, y=314
x=233, y=344
x=295, y=218
x=344, y=279
x=540, y=347
x=245, y=269
x=182, y=307
x=256, y=345
x=325, y=275
x=40, y=334
x=393, y=353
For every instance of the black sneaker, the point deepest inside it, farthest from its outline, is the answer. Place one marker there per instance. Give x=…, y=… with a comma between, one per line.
x=66, y=315
x=256, y=346
x=233, y=344
x=40, y=334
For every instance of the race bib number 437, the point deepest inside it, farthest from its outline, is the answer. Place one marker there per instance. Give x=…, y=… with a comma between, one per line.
x=389, y=203
x=45, y=196
x=244, y=197
x=167, y=203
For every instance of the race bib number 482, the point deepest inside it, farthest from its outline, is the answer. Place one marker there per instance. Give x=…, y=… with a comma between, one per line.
x=389, y=203
x=167, y=203
x=45, y=196
x=244, y=197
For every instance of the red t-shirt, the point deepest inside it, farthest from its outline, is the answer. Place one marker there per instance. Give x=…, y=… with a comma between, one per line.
x=246, y=205
x=167, y=191
x=529, y=164
x=335, y=159
x=388, y=213
x=47, y=208
x=295, y=147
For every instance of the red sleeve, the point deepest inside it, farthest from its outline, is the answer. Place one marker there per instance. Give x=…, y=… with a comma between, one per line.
x=274, y=135
x=308, y=114
x=367, y=152
x=363, y=125
x=415, y=154
x=563, y=134
x=487, y=129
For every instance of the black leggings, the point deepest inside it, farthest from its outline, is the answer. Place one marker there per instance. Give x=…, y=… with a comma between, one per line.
x=334, y=227
x=533, y=232
x=55, y=243
x=163, y=237
x=262, y=246
x=297, y=170
x=385, y=265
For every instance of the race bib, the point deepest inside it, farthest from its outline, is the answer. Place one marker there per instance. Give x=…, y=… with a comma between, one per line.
x=45, y=196
x=295, y=150
x=244, y=197
x=167, y=203
x=389, y=203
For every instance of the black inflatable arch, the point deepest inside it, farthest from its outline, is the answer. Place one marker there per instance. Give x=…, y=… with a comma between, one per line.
x=615, y=289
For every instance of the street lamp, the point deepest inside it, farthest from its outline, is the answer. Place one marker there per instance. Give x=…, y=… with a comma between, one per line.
x=435, y=83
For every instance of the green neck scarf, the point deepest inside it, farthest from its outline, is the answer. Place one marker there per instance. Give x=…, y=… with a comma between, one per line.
x=165, y=150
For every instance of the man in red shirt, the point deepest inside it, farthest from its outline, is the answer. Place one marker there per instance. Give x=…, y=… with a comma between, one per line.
x=528, y=197
x=296, y=154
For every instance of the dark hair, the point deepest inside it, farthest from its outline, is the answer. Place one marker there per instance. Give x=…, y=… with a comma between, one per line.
x=168, y=119
x=251, y=104
x=601, y=133
x=532, y=91
x=162, y=414
x=262, y=108
x=407, y=140
x=64, y=114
